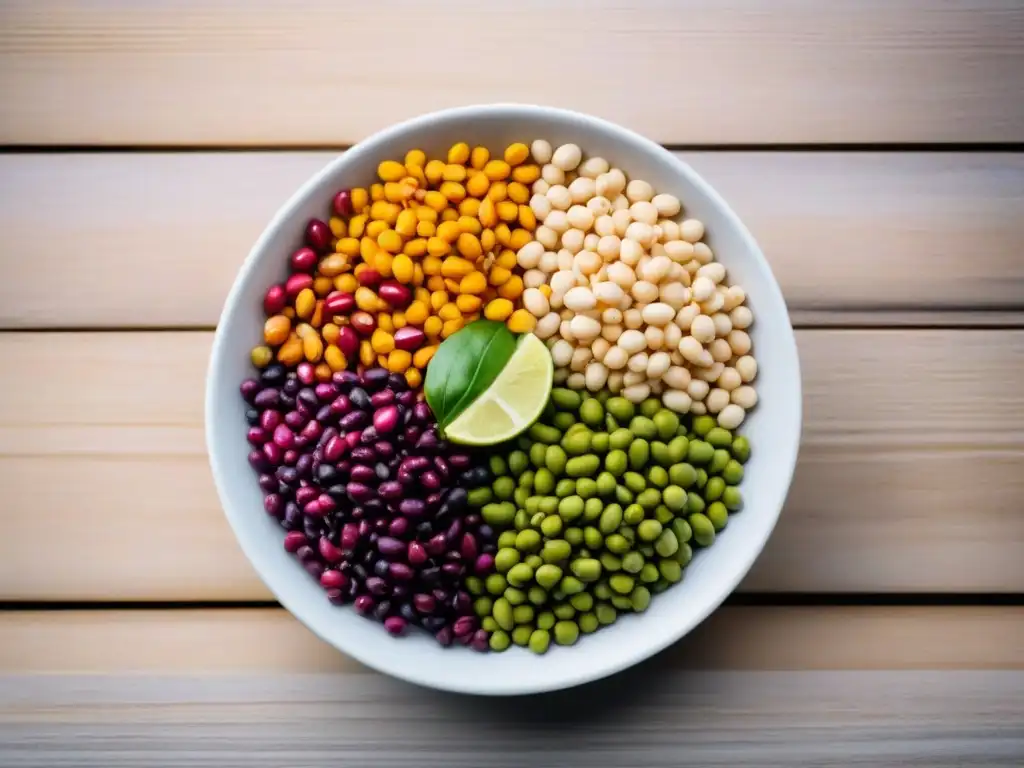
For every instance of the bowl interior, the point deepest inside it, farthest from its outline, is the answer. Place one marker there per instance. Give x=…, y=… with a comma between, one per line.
x=773, y=427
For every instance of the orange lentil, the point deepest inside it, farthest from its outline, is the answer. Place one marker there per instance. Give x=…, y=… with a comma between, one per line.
x=436, y=283
x=432, y=326
x=413, y=378
x=451, y=326
x=399, y=360
x=498, y=309
x=518, y=238
x=518, y=193
x=348, y=246
x=474, y=282
x=468, y=303
x=330, y=332
x=366, y=353
x=313, y=347
x=426, y=228
x=459, y=153
x=417, y=313
x=416, y=248
x=276, y=330
x=516, y=154
x=526, y=174
x=402, y=267
x=382, y=341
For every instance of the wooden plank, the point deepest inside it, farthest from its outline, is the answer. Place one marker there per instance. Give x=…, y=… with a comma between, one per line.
x=272, y=73
x=200, y=641
x=777, y=687
x=154, y=239
x=910, y=474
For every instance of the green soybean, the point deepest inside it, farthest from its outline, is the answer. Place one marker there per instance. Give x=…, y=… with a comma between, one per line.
x=566, y=399
x=634, y=481
x=478, y=497
x=502, y=613
x=586, y=487
x=732, y=498
x=497, y=465
x=714, y=489
x=570, y=508
x=666, y=422
x=670, y=570
x=684, y=555
x=601, y=590
x=518, y=462
x=646, y=549
x=663, y=514
x=610, y=562
x=521, y=635
x=703, y=529
x=522, y=614
x=718, y=515
x=515, y=596
x=733, y=472
x=582, y=466
x=682, y=530
x=702, y=478
x=639, y=453
x=537, y=453
x=649, y=498
x=621, y=408
x=540, y=640
x=616, y=543
x=544, y=434
x=678, y=447
x=588, y=623
x=592, y=413
x=534, y=561
x=621, y=583
x=537, y=595
x=545, y=620
x=543, y=481
x=634, y=514
x=551, y=526
x=522, y=519
x=616, y=462
x=640, y=597
x=666, y=544
x=599, y=442
x=643, y=427
x=657, y=476
x=528, y=541
x=703, y=424
x=622, y=602
x=520, y=574
x=554, y=459
x=741, y=449
x=605, y=484
x=649, y=573
x=632, y=562
x=620, y=439
x=532, y=506
x=566, y=633
x=611, y=519
x=719, y=459
x=565, y=487
x=650, y=406
x=474, y=585
x=574, y=536
x=489, y=624
x=555, y=550
x=592, y=509
x=694, y=503
x=674, y=498
x=577, y=443
x=605, y=614
x=719, y=437
x=610, y=424
x=548, y=575
x=649, y=530
x=699, y=452
x=483, y=606
x=570, y=585
x=499, y=515
x=592, y=538
x=628, y=533
x=548, y=505
x=660, y=453
x=526, y=479
x=563, y=420
x=504, y=559
x=623, y=495
x=586, y=569
x=507, y=539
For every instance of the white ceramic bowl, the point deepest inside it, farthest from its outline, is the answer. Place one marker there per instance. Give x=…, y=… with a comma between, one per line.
x=773, y=427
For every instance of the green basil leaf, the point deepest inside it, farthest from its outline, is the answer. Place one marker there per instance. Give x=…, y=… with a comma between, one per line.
x=464, y=366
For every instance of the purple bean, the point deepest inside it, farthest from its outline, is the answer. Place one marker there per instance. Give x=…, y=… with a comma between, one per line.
x=335, y=449
x=295, y=420
x=306, y=373
x=256, y=436
x=415, y=464
x=344, y=379
x=484, y=565
x=382, y=609
x=341, y=405
x=480, y=640
x=390, y=547
x=424, y=603
x=250, y=388
x=328, y=551
x=312, y=431
x=402, y=572
x=292, y=515
x=468, y=550
x=444, y=636
x=360, y=473
x=437, y=545
x=267, y=398
x=441, y=466
x=273, y=453
x=359, y=398
x=422, y=411
x=395, y=625
x=363, y=604
x=313, y=568
x=464, y=625
x=273, y=504
x=359, y=493
x=454, y=530
x=293, y=540
x=349, y=536
x=453, y=569
x=291, y=386
x=427, y=442
x=412, y=507
x=369, y=436
x=313, y=509
x=327, y=504
x=411, y=435
x=382, y=398
x=386, y=419
x=336, y=596
x=306, y=494
x=324, y=415
x=304, y=466
x=382, y=568
x=397, y=382
x=459, y=461
x=398, y=526
x=390, y=490
x=430, y=480
x=384, y=449
x=362, y=453
x=268, y=483
x=284, y=437
x=332, y=579
x=407, y=398
x=375, y=377
x=325, y=392
x=291, y=457
x=375, y=585
x=405, y=477
x=353, y=421
x=416, y=554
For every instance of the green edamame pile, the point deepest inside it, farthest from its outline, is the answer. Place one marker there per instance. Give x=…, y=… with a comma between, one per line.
x=598, y=507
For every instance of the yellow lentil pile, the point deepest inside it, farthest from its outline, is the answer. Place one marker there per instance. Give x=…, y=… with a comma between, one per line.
x=407, y=262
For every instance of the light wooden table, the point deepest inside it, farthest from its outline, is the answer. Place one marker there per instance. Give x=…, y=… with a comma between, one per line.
x=874, y=148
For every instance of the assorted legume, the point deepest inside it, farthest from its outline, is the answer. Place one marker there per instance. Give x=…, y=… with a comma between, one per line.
x=601, y=503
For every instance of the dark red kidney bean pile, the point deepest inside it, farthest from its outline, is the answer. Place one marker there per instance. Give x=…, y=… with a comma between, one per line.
x=373, y=501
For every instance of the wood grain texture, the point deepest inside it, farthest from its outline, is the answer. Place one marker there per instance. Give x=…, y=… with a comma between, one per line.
x=202, y=641
x=776, y=687
x=269, y=73
x=910, y=475
x=155, y=240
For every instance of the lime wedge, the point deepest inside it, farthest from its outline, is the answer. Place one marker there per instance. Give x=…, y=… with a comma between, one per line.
x=514, y=400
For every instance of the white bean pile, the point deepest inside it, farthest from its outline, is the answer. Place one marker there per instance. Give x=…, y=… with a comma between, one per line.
x=637, y=303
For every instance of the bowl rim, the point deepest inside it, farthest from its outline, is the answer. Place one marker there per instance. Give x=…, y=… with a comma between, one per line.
x=786, y=454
